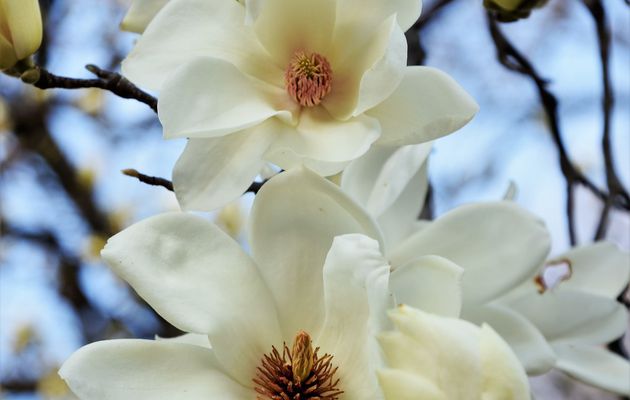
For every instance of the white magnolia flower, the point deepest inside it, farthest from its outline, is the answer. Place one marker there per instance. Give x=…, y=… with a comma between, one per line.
x=300, y=82
x=140, y=14
x=503, y=251
x=303, y=282
x=20, y=30
x=423, y=341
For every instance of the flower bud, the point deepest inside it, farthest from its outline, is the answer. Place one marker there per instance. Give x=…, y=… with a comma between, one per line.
x=20, y=30
x=512, y=10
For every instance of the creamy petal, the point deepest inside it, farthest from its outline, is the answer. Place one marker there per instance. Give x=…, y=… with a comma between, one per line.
x=442, y=350
x=7, y=55
x=407, y=11
x=570, y=315
x=401, y=385
x=204, y=28
x=356, y=297
x=367, y=68
x=210, y=97
x=140, y=14
x=504, y=378
x=429, y=283
x=319, y=137
x=530, y=346
x=601, y=268
x=426, y=105
x=188, y=338
x=284, y=27
x=481, y=239
x=148, y=370
x=293, y=222
x=212, y=172
x=189, y=271
x=595, y=366
x=24, y=21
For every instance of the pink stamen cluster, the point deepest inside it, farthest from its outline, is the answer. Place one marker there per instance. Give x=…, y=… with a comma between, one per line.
x=308, y=78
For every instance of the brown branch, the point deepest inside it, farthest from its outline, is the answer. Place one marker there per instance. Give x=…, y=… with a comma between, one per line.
x=106, y=80
x=168, y=185
x=512, y=59
x=615, y=188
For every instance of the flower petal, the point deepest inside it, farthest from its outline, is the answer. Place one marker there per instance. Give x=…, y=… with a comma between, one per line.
x=401, y=385
x=504, y=378
x=293, y=221
x=407, y=11
x=24, y=21
x=284, y=27
x=426, y=105
x=481, y=239
x=431, y=284
x=367, y=67
x=391, y=183
x=140, y=14
x=600, y=268
x=187, y=29
x=212, y=172
x=356, y=296
x=7, y=55
x=570, y=315
x=148, y=370
x=595, y=366
x=189, y=271
x=526, y=341
x=210, y=97
x=188, y=338
x=319, y=137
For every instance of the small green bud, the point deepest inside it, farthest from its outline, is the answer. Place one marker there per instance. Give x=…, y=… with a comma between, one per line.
x=512, y=10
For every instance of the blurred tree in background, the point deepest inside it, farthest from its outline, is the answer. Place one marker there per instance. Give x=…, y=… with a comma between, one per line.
x=554, y=91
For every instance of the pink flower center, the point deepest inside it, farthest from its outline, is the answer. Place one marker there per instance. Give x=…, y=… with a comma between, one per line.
x=308, y=78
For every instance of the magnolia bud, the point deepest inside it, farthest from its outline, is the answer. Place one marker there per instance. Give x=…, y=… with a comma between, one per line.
x=512, y=10
x=20, y=30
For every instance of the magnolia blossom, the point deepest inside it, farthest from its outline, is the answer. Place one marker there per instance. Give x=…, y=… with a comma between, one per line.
x=301, y=82
x=503, y=251
x=20, y=30
x=140, y=14
x=303, y=312
x=423, y=341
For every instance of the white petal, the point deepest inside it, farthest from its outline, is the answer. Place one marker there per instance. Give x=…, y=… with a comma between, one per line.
x=426, y=105
x=24, y=22
x=140, y=14
x=320, y=137
x=391, y=183
x=504, y=378
x=482, y=239
x=367, y=67
x=526, y=341
x=356, y=296
x=431, y=284
x=595, y=366
x=199, y=279
x=187, y=29
x=442, y=350
x=7, y=55
x=570, y=315
x=401, y=385
x=600, y=268
x=212, y=172
x=294, y=219
x=407, y=11
x=210, y=97
x=188, y=338
x=284, y=27
x=148, y=370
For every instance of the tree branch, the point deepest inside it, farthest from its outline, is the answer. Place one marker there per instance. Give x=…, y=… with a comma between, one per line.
x=106, y=80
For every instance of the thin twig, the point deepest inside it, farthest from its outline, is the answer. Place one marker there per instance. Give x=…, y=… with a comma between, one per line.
x=512, y=59
x=615, y=188
x=168, y=185
x=105, y=80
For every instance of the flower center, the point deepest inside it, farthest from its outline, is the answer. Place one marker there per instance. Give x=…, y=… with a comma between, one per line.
x=308, y=78
x=297, y=374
